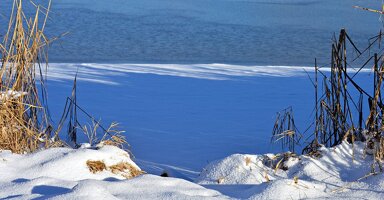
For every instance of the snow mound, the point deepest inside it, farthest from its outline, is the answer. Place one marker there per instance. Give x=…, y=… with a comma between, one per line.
x=239, y=169
x=340, y=172
x=62, y=173
x=62, y=163
x=143, y=187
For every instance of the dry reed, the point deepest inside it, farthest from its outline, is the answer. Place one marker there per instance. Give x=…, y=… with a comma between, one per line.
x=334, y=108
x=24, y=122
x=248, y=161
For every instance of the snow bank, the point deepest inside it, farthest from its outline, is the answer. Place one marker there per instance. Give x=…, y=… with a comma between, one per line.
x=143, y=187
x=61, y=163
x=341, y=172
x=239, y=169
x=62, y=173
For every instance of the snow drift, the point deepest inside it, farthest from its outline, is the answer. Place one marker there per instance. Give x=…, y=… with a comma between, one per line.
x=103, y=72
x=62, y=173
x=344, y=171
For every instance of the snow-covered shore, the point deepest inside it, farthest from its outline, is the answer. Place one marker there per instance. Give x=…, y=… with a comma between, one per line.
x=62, y=173
x=343, y=172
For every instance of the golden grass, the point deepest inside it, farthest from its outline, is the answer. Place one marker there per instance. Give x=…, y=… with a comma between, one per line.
x=115, y=140
x=248, y=161
x=95, y=166
x=279, y=164
x=295, y=180
x=112, y=135
x=267, y=179
x=24, y=124
x=122, y=168
x=125, y=169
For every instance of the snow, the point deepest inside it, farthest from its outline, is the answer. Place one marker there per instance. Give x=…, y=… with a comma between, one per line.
x=70, y=163
x=10, y=94
x=342, y=172
x=143, y=187
x=235, y=169
x=61, y=173
x=99, y=72
x=178, y=121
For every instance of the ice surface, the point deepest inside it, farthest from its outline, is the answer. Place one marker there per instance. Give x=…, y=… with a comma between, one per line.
x=277, y=32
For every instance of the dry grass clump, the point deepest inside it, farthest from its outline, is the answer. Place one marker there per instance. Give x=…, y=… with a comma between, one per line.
x=220, y=180
x=110, y=136
x=95, y=166
x=122, y=168
x=277, y=162
x=248, y=161
x=125, y=169
x=24, y=122
x=114, y=137
x=116, y=140
x=267, y=179
x=295, y=180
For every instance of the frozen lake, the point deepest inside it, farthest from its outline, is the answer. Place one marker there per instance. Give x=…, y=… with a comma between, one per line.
x=264, y=32
x=185, y=114
x=186, y=121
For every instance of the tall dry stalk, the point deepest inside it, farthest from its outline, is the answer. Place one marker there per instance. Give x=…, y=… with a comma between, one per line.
x=285, y=130
x=334, y=118
x=24, y=122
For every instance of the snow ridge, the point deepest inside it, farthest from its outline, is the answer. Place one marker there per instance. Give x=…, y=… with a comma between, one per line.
x=102, y=73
